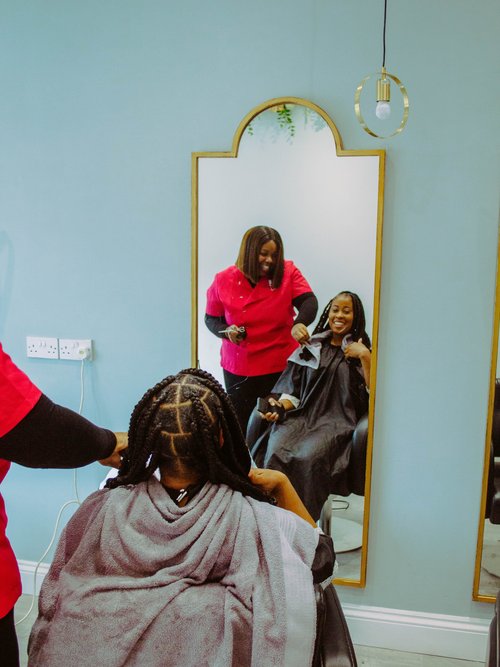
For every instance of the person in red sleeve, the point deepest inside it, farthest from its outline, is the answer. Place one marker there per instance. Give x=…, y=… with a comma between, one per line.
x=251, y=306
x=37, y=433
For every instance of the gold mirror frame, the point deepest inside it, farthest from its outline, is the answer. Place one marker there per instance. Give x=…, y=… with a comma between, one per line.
x=341, y=152
x=476, y=594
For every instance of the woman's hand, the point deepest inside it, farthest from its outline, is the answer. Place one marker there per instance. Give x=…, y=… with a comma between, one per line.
x=360, y=351
x=277, y=485
x=357, y=350
x=115, y=459
x=272, y=416
x=300, y=333
x=234, y=334
x=275, y=416
x=268, y=481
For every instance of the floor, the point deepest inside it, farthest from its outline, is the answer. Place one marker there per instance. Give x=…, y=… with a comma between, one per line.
x=351, y=509
x=379, y=657
x=489, y=582
x=366, y=656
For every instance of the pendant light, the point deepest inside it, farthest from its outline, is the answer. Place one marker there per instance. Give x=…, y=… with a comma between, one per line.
x=383, y=95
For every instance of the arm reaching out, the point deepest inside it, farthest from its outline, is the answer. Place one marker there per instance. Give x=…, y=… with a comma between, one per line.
x=277, y=484
x=115, y=459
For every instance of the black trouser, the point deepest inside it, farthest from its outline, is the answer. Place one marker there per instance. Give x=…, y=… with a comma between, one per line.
x=9, y=649
x=244, y=390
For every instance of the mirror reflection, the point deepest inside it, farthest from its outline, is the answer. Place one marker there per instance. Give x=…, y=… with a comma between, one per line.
x=487, y=573
x=287, y=221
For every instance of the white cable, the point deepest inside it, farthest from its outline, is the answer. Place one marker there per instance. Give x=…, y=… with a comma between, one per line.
x=82, y=388
x=75, y=486
x=75, y=501
x=33, y=595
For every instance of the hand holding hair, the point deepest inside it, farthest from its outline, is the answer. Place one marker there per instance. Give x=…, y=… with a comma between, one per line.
x=300, y=333
x=115, y=459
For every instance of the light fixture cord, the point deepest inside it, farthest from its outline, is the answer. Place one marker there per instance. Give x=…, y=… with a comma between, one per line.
x=385, y=22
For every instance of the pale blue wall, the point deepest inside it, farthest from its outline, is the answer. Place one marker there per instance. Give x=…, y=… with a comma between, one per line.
x=101, y=105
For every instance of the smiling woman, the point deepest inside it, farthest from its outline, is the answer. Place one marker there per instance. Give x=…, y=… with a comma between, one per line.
x=251, y=306
x=323, y=392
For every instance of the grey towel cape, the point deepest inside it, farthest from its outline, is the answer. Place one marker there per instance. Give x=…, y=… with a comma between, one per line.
x=137, y=580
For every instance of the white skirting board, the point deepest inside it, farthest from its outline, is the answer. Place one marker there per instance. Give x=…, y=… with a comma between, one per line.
x=418, y=632
x=27, y=569
x=399, y=630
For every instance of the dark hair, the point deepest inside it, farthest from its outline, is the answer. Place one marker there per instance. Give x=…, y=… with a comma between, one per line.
x=179, y=422
x=358, y=322
x=248, y=256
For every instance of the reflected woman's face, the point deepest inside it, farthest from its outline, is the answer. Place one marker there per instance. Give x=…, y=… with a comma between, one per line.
x=341, y=315
x=267, y=258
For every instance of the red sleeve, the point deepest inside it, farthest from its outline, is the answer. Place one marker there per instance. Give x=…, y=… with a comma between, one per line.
x=215, y=307
x=299, y=283
x=18, y=394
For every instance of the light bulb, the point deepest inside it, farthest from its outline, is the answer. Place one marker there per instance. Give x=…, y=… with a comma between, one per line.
x=383, y=110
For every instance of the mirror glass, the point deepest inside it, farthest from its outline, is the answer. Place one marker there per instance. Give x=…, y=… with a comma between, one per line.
x=487, y=570
x=288, y=170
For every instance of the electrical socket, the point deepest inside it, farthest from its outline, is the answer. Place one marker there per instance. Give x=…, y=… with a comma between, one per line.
x=43, y=348
x=75, y=349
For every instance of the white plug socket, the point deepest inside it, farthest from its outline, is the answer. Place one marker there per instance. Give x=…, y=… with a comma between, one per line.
x=75, y=349
x=43, y=348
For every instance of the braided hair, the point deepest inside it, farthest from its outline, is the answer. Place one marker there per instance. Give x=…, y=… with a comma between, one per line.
x=358, y=322
x=179, y=422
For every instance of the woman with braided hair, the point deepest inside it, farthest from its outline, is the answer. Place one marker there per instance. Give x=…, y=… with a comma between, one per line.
x=321, y=396
x=198, y=568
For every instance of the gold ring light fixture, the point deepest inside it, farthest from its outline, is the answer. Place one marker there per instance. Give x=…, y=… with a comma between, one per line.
x=383, y=93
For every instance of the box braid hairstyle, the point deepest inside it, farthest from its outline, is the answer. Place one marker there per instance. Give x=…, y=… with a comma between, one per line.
x=358, y=321
x=178, y=422
x=248, y=256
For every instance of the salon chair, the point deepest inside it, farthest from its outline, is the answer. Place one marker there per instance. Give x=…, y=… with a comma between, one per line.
x=492, y=657
x=333, y=646
x=493, y=495
x=357, y=463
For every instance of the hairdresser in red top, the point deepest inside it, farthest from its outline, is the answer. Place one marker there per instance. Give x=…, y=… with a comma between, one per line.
x=251, y=306
x=39, y=434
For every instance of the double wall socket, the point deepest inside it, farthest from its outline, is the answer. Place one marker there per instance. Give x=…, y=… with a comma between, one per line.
x=75, y=349
x=43, y=348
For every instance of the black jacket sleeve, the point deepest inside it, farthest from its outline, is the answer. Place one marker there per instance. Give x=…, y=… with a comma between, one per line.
x=216, y=324
x=307, y=307
x=51, y=436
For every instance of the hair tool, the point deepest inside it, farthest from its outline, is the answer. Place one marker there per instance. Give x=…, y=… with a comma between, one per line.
x=241, y=331
x=264, y=406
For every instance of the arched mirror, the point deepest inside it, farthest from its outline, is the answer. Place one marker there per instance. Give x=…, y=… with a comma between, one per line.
x=487, y=570
x=288, y=170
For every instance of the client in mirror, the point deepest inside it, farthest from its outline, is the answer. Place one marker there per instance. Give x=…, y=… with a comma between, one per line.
x=250, y=305
x=199, y=567
x=321, y=396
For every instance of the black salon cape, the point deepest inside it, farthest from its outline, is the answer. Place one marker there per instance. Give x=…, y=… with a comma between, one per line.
x=313, y=445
